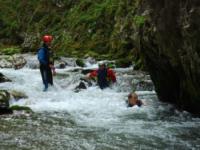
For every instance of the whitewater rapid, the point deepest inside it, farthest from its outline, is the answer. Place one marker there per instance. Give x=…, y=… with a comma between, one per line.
x=98, y=118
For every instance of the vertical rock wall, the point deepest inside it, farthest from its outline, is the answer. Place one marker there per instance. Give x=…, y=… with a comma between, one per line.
x=170, y=45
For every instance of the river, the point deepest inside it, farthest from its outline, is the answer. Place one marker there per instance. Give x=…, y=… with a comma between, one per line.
x=92, y=119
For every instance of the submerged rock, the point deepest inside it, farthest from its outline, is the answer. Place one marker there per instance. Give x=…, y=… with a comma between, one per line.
x=4, y=102
x=81, y=86
x=18, y=95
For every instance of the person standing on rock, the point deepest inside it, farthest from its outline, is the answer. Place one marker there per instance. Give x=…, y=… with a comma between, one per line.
x=46, y=64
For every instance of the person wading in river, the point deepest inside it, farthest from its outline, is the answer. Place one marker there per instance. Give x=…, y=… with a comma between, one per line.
x=103, y=75
x=46, y=61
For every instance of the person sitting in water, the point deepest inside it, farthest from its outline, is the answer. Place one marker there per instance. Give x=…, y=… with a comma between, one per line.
x=103, y=75
x=133, y=100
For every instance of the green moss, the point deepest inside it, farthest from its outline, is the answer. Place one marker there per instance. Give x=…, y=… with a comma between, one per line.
x=21, y=108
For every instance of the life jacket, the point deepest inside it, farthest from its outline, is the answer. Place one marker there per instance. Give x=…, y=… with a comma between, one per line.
x=43, y=55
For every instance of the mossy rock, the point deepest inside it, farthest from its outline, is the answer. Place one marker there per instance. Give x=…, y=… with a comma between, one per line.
x=80, y=63
x=4, y=102
x=123, y=63
x=4, y=99
x=21, y=108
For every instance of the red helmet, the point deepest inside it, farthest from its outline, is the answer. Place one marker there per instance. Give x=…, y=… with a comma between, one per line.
x=47, y=38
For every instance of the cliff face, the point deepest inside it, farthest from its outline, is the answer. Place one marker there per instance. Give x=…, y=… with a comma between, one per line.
x=170, y=45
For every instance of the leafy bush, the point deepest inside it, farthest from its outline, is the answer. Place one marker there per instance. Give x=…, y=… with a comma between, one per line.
x=10, y=50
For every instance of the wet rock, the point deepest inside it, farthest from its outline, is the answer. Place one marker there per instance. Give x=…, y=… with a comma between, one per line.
x=4, y=102
x=18, y=62
x=3, y=78
x=60, y=64
x=145, y=85
x=68, y=61
x=86, y=71
x=15, y=61
x=86, y=80
x=81, y=86
x=80, y=63
x=18, y=95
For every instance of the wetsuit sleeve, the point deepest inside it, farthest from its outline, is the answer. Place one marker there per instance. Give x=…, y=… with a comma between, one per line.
x=93, y=74
x=41, y=56
x=111, y=75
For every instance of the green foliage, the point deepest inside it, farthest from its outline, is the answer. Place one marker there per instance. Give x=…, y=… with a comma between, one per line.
x=10, y=50
x=104, y=27
x=139, y=20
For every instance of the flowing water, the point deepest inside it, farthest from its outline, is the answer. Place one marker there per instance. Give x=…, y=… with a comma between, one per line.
x=92, y=119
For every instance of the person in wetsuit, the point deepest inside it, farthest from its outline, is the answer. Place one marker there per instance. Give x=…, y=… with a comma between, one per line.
x=44, y=60
x=133, y=100
x=103, y=76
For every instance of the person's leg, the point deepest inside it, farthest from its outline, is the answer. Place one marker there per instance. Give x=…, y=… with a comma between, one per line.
x=42, y=73
x=45, y=73
x=50, y=76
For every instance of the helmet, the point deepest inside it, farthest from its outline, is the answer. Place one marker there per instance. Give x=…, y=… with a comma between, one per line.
x=47, y=38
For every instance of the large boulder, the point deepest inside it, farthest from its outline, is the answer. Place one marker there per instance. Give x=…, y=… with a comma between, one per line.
x=15, y=61
x=4, y=102
x=169, y=44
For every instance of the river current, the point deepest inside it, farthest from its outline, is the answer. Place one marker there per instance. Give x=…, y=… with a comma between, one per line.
x=92, y=119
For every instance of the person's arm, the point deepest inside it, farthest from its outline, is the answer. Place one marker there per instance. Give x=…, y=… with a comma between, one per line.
x=93, y=74
x=111, y=75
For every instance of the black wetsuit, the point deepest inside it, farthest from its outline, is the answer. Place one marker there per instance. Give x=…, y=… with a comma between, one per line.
x=102, y=78
x=45, y=70
x=138, y=103
x=51, y=62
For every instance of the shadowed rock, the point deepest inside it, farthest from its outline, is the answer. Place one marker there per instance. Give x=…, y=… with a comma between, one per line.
x=3, y=78
x=169, y=43
x=4, y=102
